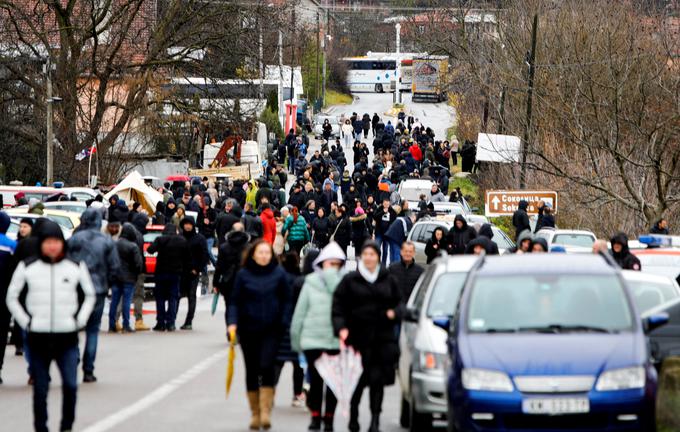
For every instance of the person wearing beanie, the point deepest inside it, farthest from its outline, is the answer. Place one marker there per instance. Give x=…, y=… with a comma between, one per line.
x=369, y=298
x=52, y=297
x=195, y=262
x=311, y=329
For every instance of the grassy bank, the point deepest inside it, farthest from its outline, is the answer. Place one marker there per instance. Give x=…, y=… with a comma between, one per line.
x=336, y=98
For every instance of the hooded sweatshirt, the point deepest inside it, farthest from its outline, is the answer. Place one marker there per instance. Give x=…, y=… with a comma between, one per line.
x=625, y=259
x=96, y=249
x=520, y=219
x=131, y=260
x=229, y=259
x=197, y=247
x=172, y=251
x=268, y=226
x=458, y=238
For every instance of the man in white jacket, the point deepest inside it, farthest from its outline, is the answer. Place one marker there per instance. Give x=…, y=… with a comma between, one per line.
x=58, y=300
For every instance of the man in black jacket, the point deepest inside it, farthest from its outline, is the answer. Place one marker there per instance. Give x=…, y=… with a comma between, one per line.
x=229, y=260
x=172, y=252
x=459, y=236
x=383, y=217
x=622, y=255
x=520, y=219
x=406, y=272
x=232, y=214
x=195, y=262
x=131, y=265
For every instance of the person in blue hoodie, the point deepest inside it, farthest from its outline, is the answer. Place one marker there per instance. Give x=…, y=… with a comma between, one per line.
x=396, y=234
x=7, y=248
x=88, y=244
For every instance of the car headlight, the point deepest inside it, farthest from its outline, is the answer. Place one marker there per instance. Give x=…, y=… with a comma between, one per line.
x=621, y=379
x=430, y=361
x=487, y=380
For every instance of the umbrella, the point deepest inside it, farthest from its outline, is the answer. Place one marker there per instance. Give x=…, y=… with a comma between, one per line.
x=341, y=373
x=230, y=360
x=177, y=178
x=215, y=299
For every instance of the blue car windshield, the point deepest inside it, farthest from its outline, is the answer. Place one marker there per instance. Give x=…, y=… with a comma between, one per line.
x=548, y=304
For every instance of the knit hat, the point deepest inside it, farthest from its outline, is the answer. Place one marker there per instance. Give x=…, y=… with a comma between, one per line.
x=371, y=244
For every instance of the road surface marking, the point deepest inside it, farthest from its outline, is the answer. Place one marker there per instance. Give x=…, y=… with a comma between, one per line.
x=154, y=397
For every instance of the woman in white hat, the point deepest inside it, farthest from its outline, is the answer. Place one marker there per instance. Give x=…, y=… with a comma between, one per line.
x=312, y=330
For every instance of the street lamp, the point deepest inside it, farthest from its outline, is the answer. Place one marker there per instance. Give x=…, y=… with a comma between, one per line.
x=49, y=100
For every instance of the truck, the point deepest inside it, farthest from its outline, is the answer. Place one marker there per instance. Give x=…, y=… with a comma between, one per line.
x=429, y=78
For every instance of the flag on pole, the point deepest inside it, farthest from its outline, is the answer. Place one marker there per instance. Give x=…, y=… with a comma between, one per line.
x=82, y=155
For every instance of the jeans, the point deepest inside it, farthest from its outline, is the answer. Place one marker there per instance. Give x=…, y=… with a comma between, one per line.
x=167, y=297
x=395, y=252
x=92, y=334
x=121, y=291
x=259, y=354
x=316, y=386
x=211, y=243
x=384, y=247
x=66, y=355
x=189, y=285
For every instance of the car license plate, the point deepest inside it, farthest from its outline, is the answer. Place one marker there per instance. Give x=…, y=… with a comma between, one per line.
x=555, y=406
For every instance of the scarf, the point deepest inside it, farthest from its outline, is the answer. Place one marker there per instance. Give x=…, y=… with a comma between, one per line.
x=370, y=277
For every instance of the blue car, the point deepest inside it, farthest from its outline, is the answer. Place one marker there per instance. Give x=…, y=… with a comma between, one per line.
x=549, y=342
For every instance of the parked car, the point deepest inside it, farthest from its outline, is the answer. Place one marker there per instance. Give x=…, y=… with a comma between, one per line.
x=65, y=219
x=574, y=241
x=422, y=375
x=650, y=290
x=411, y=189
x=16, y=219
x=152, y=233
x=660, y=256
x=516, y=348
x=78, y=207
x=423, y=229
x=318, y=125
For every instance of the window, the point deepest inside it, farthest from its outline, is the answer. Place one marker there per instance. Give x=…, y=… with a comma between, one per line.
x=544, y=302
x=416, y=237
x=427, y=232
x=445, y=295
x=580, y=240
x=500, y=238
x=420, y=290
x=648, y=294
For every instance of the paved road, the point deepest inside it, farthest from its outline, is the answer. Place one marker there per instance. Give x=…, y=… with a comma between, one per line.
x=164, y=382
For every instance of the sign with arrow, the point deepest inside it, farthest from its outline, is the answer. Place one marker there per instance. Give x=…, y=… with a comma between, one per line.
x=505, y=202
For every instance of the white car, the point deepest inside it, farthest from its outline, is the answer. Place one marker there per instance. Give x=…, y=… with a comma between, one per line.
x=574, y=241
x=318, y=125
x=422, y=232
x=411, y=189
x=650, y=290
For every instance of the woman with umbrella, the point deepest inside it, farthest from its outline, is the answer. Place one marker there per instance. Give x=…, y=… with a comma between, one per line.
x=365, y=316
x=311, y=330
x=259, y=310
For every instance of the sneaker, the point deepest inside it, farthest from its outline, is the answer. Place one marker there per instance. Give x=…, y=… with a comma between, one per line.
x=140, y=326
x=186, y=327
x=299, y=401
x=89, y=378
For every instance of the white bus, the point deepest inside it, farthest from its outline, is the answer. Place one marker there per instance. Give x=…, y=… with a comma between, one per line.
x=376, y=71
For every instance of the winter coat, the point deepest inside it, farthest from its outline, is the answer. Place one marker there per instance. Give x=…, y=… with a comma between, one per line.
x=197, y=248
x=406, y=275
x=229, y=257
x=489, y=247
x=486, y=231
x=383, y=220
x=297, y=231
x=131, y=260
x=268, y=226
x=625, y=259
x=224, y=223
x=458, y=238
x=253, y=225
x=298, y=199
x=97, y=250
x=343, y=231
x=398, y=231
x=312, y=327
x=207, y=230
x=520, y=219
x=361, y=307
x=321, y=231
x=430, y=250
x=260, y=300
x=172, y=252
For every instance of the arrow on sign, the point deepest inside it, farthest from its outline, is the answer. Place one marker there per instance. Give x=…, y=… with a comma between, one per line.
x=495, y=202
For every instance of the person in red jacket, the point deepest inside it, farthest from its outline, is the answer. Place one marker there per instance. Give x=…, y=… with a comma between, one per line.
x=416, y=152
x=268, y=224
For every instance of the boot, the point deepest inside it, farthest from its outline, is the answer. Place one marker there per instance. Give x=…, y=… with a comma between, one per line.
x=140, y=326
x=375, y=424
x=254, y=402
x=315, y=425
x=328, y=423
x=266, y=399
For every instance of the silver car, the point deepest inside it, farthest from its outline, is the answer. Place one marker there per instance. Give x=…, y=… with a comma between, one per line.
x=423, y=345
x=318, y=125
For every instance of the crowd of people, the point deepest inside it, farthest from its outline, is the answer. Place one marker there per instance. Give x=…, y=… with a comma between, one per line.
x=282, y=242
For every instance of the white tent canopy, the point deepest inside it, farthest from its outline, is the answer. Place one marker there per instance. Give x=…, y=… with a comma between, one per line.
x=133, y=188
x=498, y=148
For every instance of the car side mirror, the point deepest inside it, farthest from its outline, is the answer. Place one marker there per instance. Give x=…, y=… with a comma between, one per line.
x=411, y=315
x=474, y=209
x=443, y=323
x=655, y=321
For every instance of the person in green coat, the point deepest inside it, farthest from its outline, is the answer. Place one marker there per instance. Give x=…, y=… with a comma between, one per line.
x=311, y=329
x=295, y=230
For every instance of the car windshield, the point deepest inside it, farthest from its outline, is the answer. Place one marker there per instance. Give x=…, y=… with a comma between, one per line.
x=61, y=220
x=649, y=294
x=500, y=239
x=550, y=303
x=579, y=240
x=150, y=236
x=445, y=295
x=412, y=193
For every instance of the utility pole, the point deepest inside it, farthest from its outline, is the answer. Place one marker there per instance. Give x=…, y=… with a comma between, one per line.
x=260, y=57
x=318, y=48
x=292, y=61
x=50, y=133
x=530, y=99
x=281, y=79
x=323, y=73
